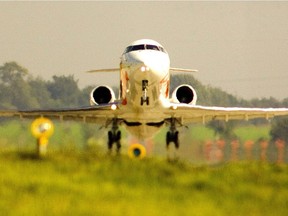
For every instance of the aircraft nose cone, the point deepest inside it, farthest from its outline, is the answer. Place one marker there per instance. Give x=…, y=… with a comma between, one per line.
x=148, y=61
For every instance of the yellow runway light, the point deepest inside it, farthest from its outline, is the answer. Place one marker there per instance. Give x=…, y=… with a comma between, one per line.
x=42, y=127
x=137, y=151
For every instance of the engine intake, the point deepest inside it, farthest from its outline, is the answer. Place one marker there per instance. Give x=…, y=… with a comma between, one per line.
x=184, y=94
x=102, y=95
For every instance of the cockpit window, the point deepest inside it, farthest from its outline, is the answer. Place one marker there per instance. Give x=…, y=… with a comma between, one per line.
x=162, y=49
x=137, y=47
x=144, y=47
x=152, y=47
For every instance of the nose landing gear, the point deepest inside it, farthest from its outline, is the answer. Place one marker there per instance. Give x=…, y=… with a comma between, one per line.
x=144, y=98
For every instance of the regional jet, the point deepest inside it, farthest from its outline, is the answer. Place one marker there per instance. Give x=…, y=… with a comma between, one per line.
x=144, y=104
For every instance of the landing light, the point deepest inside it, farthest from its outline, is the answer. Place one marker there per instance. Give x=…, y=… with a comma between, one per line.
x=113, y=107
x=144, y=68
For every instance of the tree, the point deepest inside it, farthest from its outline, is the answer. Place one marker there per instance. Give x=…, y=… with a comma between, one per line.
x=279, y=129
x=65, y=90
x=223, y=129
x=84, y=99
x=15, y=91
x=207, y=95
x=39, y=91
x=265, y=102
x=12, y=71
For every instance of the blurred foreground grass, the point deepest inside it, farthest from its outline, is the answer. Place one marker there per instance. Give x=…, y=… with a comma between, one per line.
x=87, y=183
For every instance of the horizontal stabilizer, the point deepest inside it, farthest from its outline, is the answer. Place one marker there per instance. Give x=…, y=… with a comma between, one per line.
x=104, y=70
x=182, y=70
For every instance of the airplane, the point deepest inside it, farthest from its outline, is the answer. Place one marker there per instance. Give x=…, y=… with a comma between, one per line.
x=144, y=104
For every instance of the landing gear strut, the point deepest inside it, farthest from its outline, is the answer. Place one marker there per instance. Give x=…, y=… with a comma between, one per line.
x=144, y=98
x=172, y=135
x=114, y=136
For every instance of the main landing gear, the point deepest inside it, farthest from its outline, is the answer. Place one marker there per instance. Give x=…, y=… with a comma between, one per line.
x=172, y=136
x=114, y=136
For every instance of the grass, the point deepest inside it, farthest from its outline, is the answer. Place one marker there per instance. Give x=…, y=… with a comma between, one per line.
x=86, y=183
x=252, y=132
x=77, y=178
x=70, y=135
x=77, y=134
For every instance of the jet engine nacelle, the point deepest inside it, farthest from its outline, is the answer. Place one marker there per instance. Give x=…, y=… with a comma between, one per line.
x=102, y=95
x=184, y=94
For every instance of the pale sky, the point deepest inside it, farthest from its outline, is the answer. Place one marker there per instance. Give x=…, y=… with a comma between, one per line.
x=241, y=47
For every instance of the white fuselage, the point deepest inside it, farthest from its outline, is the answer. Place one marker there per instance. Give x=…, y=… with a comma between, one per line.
x=145, y=78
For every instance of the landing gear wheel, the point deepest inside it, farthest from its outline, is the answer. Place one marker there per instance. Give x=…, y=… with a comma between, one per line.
x=172, y=136
x=114, y=137
x=144, y=100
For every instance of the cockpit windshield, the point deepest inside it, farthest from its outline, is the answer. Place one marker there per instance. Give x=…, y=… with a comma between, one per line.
x=144, y=47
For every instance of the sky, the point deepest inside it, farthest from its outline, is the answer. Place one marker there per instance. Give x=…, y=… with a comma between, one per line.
x=240, y=47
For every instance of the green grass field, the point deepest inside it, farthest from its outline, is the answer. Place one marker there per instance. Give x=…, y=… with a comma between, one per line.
x=85, y=183
x=78, y=178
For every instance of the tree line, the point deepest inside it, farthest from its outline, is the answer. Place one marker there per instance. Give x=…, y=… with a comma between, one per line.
x=20, y=90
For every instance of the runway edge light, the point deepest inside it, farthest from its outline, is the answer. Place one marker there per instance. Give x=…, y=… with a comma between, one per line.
x=42, y=128
x=137, y=151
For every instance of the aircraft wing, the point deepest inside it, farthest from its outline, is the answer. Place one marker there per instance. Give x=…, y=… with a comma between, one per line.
x=102, y=114
x=96, y=114
x=195, y=113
